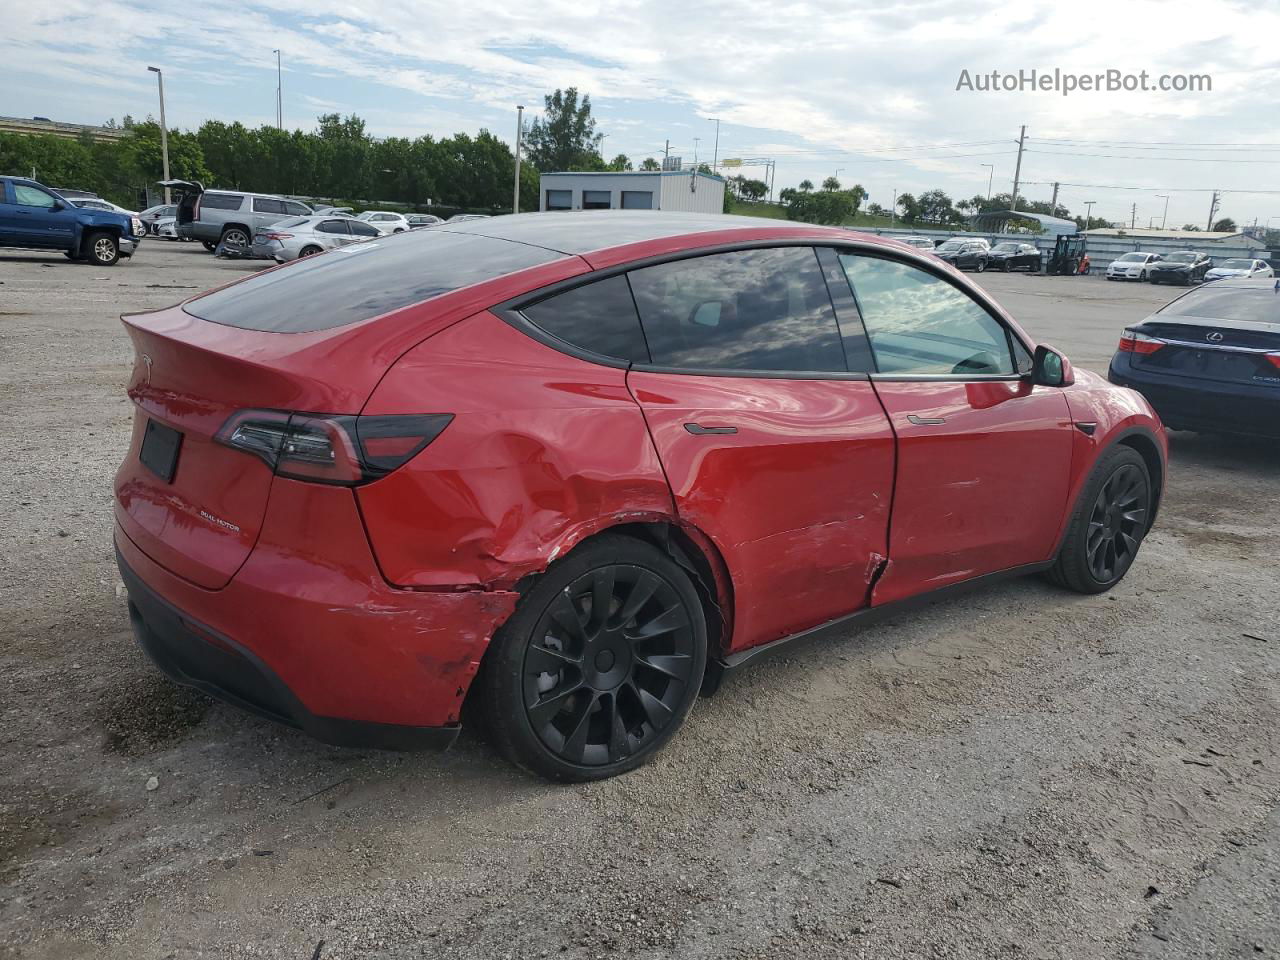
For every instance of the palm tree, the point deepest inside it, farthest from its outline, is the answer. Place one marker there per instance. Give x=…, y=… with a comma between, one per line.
x=806, y=185
x=831, y=184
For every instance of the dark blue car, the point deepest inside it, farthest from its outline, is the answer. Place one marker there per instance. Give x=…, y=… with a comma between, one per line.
x=32, y=216
x=1210, y=360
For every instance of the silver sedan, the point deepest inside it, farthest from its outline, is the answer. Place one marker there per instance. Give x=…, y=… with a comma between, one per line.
x=303, y=236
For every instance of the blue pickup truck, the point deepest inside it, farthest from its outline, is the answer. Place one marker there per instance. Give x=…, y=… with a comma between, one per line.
x=34, y=217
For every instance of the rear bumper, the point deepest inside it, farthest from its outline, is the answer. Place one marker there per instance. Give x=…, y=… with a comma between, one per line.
x=1209, y=406
x=308, y=632
x=196, y=656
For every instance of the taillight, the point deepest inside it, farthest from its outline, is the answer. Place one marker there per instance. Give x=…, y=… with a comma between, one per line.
x=342, y=450
x=1131, y=341
x=1274, y=359
x=279, y=236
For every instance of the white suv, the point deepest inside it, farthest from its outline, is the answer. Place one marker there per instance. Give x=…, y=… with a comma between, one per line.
x=1132, y=266
x=386, y=221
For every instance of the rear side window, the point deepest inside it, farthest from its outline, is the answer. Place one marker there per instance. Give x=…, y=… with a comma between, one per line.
x=267, y=205
x=363, y=280
x=748, y=310
x=599, y=317
x=221, y=201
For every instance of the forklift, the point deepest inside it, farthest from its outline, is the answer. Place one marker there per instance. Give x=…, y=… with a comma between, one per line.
x=1069, y=258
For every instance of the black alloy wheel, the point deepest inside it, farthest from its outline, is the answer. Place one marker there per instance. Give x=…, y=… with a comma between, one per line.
x=1108, y=524
x=1117, y=523
x=600, y=664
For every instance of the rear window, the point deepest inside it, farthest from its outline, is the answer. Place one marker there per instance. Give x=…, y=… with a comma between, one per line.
x=221, y=201
x=365, y=280
x=1254, y=304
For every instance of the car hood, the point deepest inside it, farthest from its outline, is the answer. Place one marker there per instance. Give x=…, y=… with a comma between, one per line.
x=1171, y=266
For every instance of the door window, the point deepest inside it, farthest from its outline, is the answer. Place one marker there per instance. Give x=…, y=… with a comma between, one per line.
x=267, y=205
x=297, y=209
x=221, y=201
x=27, y=196
x=920, y=324
x=748, y=310
x=600, y=317
x=361, y=229
x=332, y=226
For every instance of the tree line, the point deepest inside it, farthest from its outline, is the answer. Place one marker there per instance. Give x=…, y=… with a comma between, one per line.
x=337, y=160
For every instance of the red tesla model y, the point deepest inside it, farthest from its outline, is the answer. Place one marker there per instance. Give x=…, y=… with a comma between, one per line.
x=584, y=464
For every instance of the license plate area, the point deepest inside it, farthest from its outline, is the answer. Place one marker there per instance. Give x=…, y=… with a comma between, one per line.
x=159, y=453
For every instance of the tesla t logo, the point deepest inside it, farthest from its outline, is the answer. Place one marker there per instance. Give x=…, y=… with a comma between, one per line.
x=147, y=363
x=1214, y=337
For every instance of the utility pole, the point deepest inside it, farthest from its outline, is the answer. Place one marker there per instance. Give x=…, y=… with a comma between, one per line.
x=715, y=156
x=695, y=152
x=1017, y=170
x=1213, y=208
x=164, y=133
x=1164, y=220
x=666, y=153
x=279, y=93
x=991, y=172
x=1133, y=216
x=515, y=198
x=602, y=139
x=1088, y=212
x=1053, y=204
x=893, y=210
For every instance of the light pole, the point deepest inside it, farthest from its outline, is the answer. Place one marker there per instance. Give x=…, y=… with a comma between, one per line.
x=836, y=175
x=1164, y=220
x=515, y=200
x=279, y=93
x=1088, y=212
x=164, y=133
x=715, y=156
x=992, y=168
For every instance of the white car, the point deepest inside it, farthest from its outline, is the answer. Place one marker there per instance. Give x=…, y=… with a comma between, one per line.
x=1239, y=267
x=385, y=221
x=1132, y=266
x=920, y=243
x=97, y=203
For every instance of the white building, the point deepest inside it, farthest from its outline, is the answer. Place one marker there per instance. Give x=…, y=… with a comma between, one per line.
x=681, y=190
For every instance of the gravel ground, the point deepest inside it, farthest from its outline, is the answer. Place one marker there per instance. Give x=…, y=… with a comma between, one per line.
x=1020, y=773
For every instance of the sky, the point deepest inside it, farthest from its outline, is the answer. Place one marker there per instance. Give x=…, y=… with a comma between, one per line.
x=865, y=91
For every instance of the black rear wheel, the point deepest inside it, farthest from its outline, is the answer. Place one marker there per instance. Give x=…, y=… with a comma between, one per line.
x=600, y=663
x=1107, y=525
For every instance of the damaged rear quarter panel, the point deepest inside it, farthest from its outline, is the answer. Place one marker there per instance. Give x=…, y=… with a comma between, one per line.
x=544, y=449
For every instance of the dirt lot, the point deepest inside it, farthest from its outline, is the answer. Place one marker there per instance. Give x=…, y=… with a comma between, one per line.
x=1021, y=773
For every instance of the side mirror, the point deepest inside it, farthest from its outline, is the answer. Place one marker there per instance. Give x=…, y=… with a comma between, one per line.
x=1049, y=368
x=59, y=205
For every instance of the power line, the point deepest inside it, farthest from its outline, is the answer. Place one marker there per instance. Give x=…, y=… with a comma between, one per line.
x=1153, y=143
x=1116, y=186
x=1114, y=156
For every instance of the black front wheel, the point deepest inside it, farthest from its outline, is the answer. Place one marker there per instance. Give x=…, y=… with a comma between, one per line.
x=600, y=663
x=1108, y=524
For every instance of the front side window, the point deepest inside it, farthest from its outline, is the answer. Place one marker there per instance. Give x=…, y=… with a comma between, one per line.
x=27, y=196
x=747, y=310
x=920, y=324
x=331, y=226
x=267, y=205
x=600, y=317
x=359, y=228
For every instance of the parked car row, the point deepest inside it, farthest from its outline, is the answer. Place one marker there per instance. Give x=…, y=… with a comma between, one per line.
x=1183, y=268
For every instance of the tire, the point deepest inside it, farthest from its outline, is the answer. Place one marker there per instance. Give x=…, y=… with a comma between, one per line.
x=101, y=249
x=1107, y=526
x=309, y=251
x=573, y=699
x=208, y=245
x=981, y=266
x=1005, y=267
x=1142, y=276
x=398, y=230
x=235, y=238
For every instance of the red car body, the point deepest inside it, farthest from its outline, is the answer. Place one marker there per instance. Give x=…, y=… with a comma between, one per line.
x=362, y=612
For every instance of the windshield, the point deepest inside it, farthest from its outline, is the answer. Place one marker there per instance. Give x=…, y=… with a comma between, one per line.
x=1180, y=258
x=366, y=215
x=1215, y=302
x=1237, y=264
x=952, y=245
x=1133, y=258
x=1005, y=248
